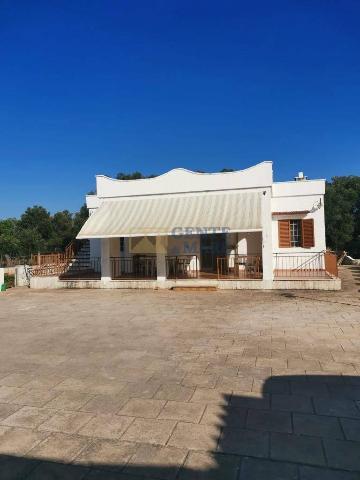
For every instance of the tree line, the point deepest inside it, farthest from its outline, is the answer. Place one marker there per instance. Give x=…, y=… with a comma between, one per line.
x=38, y=230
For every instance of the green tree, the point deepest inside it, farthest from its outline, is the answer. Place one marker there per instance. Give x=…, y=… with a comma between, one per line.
x=342, y=214
x=80, y=218
x=62, y=230
x=31, y=241
x=38, y=219
x=9, y=241
x=132, y=176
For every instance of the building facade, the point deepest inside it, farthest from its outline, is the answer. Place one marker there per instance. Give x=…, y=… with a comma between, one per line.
x=229, y=230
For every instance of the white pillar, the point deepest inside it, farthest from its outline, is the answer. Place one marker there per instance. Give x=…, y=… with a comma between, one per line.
x=161, y=251
x=105, y=260
x=267, y=249
x=2, y=277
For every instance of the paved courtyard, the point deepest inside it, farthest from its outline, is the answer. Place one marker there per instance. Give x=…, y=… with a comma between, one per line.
x=122, y=385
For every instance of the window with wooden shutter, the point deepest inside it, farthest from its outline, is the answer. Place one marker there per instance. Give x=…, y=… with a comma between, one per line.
x=308, y=237
x=284, y=233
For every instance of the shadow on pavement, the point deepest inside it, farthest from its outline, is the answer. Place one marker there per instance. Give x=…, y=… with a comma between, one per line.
x=299, y=427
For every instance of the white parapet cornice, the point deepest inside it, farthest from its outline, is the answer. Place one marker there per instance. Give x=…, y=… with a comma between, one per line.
x=180, y=180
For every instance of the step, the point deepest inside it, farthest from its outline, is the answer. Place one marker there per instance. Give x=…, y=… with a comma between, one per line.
x=199, y=288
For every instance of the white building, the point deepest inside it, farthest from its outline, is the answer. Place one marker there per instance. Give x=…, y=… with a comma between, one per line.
x=228, y=230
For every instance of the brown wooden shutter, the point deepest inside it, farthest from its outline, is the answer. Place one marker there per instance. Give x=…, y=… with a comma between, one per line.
x=284, y=233
x=308, y=238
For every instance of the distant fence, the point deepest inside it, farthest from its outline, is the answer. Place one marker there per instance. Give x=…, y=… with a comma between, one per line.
x=7, y=261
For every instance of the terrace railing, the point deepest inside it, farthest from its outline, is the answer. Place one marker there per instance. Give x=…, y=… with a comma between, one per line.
x=182, y=266
x=134, y=267
x=239, y=267
x=305, y=265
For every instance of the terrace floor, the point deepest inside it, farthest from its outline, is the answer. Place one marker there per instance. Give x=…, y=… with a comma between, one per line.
x=126, y=385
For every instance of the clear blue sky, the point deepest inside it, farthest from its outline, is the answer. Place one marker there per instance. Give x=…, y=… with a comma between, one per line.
x=97, y=87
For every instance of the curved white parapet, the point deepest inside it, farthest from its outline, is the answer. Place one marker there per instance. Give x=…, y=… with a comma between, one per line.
x=181, y=180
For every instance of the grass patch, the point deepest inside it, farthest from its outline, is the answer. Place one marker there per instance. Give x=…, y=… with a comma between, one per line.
x=9, y=281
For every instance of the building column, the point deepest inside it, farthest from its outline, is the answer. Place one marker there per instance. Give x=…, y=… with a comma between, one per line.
x=161, y=251
x=105, y=259
x=267, y=249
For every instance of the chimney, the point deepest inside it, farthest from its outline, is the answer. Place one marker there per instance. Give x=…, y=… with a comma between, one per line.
x=300, y=177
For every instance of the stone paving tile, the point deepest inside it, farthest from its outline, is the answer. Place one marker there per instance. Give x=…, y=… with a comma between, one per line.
x=44, y=381
x=35, y=397
x=69, y=401
x=145, y=408
x=351, y=429
x=269, y=421
x=66, y=422
x=210, y=395
x=343, y=454
x=244, y=442
x=210, y=466
x=271, y=386
x=7, y=409
x=291, y=403
x=28, y=417
x=317, y=426
x=192, y=380
x=105, y=403
x=338, y=367
x=254, y=372
x=194, y=437
x=8, y=394
x=57, y=471
x=231, y=384
x=224, y=370
x=349, y=392
x=259, y=469
x=159, y=462
x=336, y=407
x=107, y=454
x=106, y=426
x=297, y=448
x=4, y=429
x=253, y=400
x=90, y=386
x=130, y=361
x=59, y=447
x=233, y=417
x=16, y=379
x=316, y=473
x=141, y=390
x=171, y=391
x=185, y=411
x=154, y=431
x=307, y=388
x=113, y=475
x=15, y=468
x=18, y=441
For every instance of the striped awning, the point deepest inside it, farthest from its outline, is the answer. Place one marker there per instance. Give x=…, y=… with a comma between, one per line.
x=176, y=214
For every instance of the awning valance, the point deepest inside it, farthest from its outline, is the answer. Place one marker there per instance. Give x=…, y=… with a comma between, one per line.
x=176, y=214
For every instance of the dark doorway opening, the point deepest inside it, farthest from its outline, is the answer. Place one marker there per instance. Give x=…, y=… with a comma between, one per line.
x=211, y=246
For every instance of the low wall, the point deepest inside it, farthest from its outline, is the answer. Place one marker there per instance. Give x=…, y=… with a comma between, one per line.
x=21, y=279
x=306, y=284
x=328, y=284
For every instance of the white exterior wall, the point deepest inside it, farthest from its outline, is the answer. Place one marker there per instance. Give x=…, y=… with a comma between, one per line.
x=305, y=195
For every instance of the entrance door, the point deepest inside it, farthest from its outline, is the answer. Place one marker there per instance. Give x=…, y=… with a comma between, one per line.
x=211, y=247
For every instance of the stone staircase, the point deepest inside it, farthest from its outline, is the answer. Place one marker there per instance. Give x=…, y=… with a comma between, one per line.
x=82, y=266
